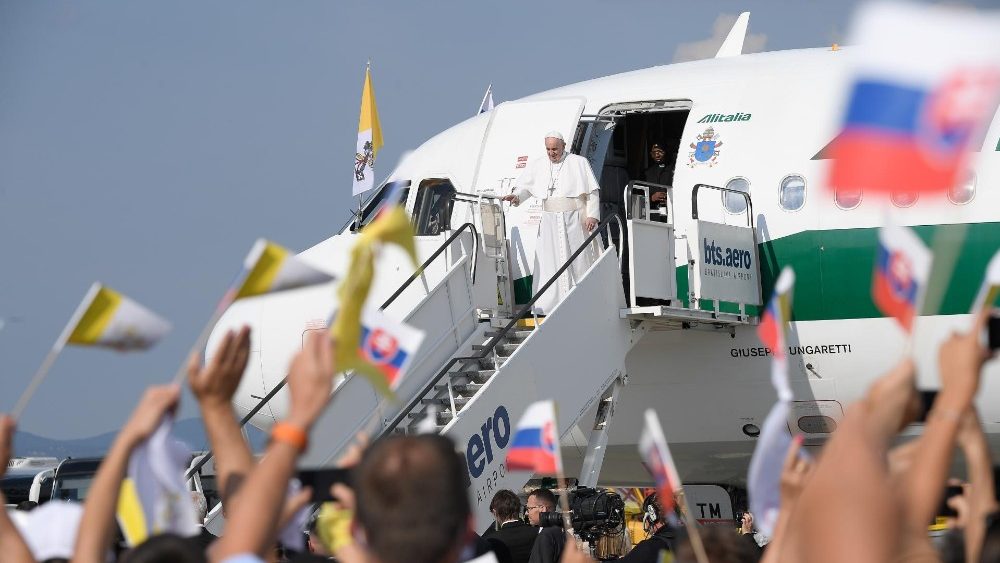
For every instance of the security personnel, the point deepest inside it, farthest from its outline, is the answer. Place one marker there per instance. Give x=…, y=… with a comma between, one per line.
x=660, y=172
x=659, y=535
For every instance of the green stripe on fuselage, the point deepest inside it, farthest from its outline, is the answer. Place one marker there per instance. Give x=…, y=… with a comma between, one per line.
x=833, y=269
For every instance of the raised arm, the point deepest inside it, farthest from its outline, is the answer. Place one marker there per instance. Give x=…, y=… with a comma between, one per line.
x=960, y=360
x=982, y=494
x=14, y=548
x=97, y=526
x=214, y=385
x=310, y=381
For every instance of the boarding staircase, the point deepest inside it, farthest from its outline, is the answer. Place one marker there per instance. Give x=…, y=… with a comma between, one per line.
x=493, y=368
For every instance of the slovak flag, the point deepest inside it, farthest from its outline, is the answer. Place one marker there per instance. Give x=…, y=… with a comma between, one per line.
x=773, y=328
x=388, y=345
x=535, y=446
x=655, y=454
x=926, y=83
x=902, y=269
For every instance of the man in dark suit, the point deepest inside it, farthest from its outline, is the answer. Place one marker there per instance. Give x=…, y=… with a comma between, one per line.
x=517, y=536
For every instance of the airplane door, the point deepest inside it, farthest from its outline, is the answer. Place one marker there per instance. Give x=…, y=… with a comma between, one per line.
x=515, y=135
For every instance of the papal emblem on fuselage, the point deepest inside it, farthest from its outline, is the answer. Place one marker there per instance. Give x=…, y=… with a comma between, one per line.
x=705, y=151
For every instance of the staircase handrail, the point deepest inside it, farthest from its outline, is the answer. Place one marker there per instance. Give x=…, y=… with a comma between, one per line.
x=270, y=395
x=498, y=337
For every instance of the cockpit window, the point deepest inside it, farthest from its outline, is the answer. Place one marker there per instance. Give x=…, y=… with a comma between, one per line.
x=435, y=198
x=373, y=204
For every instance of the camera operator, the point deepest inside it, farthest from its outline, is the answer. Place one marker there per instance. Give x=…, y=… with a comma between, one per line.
x=549, y=543
x=539, y=500
x=516, y=535
x=659, y=535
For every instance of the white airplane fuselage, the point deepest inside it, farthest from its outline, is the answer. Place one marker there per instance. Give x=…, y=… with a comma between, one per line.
x=771, y=116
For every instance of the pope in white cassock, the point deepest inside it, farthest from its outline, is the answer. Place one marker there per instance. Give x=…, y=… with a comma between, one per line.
x=570, y=206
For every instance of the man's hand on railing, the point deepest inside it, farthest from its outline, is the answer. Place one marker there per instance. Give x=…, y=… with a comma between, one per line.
x=511, y=198
x=590, y=224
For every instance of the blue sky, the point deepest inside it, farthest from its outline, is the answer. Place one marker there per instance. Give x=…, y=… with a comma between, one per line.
x=147, y=144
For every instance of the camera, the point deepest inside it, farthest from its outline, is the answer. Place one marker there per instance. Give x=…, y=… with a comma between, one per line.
x=593, y=513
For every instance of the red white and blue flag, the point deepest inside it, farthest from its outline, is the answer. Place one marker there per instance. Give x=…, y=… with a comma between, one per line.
x=926, y=83
x=773, y=328
x=902, y=269
x=655, y=454
x=388, y=345
x=535, y=446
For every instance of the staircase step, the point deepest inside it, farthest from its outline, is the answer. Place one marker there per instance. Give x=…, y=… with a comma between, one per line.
x=476, y=375
x=442, y=416
x=516, y=334
x=459, y=401
x=465, y=389
x=504, y=350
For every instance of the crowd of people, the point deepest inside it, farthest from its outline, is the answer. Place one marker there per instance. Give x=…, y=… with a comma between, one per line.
x=866, y=497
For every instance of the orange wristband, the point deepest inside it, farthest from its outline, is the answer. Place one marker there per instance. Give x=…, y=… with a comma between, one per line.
x=291, y=435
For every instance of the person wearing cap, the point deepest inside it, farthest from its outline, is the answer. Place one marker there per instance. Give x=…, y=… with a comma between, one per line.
x=659, y=172
x=570, y=196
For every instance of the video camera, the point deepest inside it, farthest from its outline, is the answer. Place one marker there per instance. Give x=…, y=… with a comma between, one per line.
x=593, y=513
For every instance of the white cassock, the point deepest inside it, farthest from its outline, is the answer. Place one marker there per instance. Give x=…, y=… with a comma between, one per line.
x=569, y=193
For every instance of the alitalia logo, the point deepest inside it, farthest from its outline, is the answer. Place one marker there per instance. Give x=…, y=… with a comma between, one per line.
x=722, y=117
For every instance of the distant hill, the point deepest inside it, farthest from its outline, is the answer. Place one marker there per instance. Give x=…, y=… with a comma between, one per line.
x=188, y=430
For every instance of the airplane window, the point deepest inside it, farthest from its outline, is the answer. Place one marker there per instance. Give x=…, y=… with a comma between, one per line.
x=903, y=198
x=848, y=198
x=732, y=202
x=792, y=194
x=964, y=192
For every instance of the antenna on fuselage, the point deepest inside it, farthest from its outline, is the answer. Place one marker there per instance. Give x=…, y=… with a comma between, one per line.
x=733, y=45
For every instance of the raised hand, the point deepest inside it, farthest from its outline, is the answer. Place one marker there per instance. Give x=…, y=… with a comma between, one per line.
x=215, y=383
x=7, y=427
x=794, y=474
x=155, y=403
x=960, y=360
x=310, y=380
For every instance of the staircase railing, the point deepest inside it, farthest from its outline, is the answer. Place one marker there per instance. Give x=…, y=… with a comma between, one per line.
x=498, y=337
x=399, y=291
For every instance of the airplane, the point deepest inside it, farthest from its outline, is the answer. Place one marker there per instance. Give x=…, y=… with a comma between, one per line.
x=748, y=137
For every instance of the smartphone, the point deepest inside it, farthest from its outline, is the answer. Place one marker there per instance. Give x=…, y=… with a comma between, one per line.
x=993, y=333
x=927, y=398
x=322, y=479
x=950, y=491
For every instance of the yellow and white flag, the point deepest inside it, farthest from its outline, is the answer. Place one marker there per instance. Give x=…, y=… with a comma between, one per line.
x=112, y=320
x=369, y=139
x=154, y=497
x=271, y=267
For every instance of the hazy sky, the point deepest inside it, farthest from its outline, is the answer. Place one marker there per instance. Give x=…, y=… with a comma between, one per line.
x=147, y=144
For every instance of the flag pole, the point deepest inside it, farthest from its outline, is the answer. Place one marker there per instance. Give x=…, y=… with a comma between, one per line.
x=202, y=341
x=199, y=345
x=564, y=500
x=693, y=534
x=50, y=358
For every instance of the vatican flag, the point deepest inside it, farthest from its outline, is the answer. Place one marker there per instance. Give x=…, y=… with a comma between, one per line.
x=369, y=139
x=271, y=267
x=112, y=320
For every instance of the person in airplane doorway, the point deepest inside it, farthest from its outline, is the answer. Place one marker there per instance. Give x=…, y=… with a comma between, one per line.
x=571, y=205
x=660, y=172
